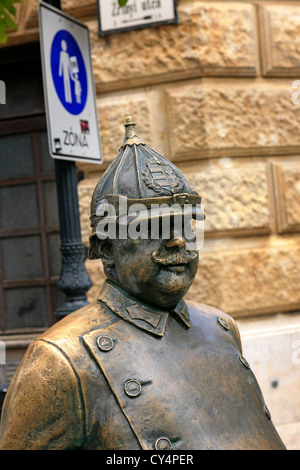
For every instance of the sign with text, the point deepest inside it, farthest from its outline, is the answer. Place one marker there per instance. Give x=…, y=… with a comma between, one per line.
x=135, y=14
x=70, y=100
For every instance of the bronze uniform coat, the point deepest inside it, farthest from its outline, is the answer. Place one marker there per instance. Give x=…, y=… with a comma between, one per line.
x=120, y=375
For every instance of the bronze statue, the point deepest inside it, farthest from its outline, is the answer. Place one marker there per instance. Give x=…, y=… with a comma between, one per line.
x=139, y=368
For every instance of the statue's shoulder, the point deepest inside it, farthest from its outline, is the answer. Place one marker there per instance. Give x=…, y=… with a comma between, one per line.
x=72, y=327
x=204, y=311
x=203, y=315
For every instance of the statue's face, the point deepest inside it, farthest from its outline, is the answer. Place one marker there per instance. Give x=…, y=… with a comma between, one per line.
x=158, y=272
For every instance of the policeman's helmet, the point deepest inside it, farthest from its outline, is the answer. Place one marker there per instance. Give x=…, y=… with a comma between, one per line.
x=139, y=175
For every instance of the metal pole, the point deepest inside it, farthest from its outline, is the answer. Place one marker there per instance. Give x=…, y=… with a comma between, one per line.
x=74, y=279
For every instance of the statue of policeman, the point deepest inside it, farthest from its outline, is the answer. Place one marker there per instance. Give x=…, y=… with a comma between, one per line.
x=139, y=368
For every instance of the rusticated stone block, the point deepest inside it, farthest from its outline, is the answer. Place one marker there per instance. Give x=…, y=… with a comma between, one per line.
x=247, y=280
x=112, y=115
x=233, y=120
x=70, y=5
x=212, y=38
x=280, y=39
x=287, y=195
x=112, y=112
x=235, y=198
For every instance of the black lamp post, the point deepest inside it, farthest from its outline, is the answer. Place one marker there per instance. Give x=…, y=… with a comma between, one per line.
x=74, y=279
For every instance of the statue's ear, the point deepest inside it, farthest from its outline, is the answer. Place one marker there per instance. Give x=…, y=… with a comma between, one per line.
x=94, y=252
x=101, y=249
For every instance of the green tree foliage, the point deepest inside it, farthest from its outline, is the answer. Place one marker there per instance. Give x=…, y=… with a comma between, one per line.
x=8, y=14
x=7, y=17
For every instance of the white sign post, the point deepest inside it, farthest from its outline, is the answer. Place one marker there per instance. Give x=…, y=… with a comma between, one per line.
x=135, y=14
x=73, y=128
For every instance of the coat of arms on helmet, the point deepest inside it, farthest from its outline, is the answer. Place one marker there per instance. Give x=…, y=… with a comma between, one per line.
x=160, y=177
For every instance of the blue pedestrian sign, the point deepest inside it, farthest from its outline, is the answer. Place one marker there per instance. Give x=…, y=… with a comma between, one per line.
x=68, y=72
x=70, y=99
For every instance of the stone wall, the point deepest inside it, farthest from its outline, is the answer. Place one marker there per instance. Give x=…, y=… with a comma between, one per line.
x=214, y=95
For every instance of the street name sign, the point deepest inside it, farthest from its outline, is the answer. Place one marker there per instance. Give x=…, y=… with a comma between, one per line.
x=135, y=14
x=70, y=100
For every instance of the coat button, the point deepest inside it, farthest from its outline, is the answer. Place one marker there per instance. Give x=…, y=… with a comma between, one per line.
x=132, y=388
x=105, y=343
x=163, y=443
x=244, y=361
x=223, y=323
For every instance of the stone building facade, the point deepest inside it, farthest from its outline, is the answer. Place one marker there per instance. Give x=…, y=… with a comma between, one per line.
x=217, y=95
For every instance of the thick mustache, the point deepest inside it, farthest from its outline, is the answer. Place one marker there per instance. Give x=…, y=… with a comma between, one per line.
x=174, y=258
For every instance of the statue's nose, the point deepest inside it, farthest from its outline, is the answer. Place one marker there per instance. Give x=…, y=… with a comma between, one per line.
x=176, y=242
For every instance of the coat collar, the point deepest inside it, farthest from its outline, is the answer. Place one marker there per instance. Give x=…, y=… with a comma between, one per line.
x=143, y=316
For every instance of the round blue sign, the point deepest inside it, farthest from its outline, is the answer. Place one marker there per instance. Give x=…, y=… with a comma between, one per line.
x=68, y=72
